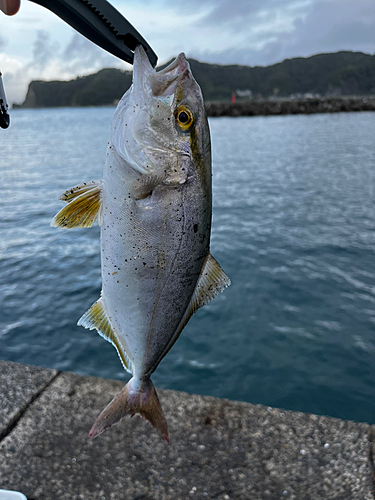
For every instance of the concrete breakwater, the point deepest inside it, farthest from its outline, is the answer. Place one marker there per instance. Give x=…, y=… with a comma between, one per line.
x=219, y=449
x=291, y=107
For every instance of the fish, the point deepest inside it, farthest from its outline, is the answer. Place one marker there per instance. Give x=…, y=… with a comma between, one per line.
x=154, y=209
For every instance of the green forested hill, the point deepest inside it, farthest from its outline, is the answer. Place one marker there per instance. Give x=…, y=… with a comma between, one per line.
x=341, y=73
x=99, y=89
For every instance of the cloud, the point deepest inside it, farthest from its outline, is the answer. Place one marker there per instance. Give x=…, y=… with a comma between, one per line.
x=10, y=67
x=330, y=26
x=248, y=14
x=244, y=13
x=77, y=58
x=249, y=32
x=51, y=61
x=336, y=25
x=81, y=56
x=244, y=32
x=44, y=50
x=272, y=34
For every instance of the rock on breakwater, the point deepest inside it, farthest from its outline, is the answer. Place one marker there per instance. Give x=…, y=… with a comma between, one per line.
x=291, y=106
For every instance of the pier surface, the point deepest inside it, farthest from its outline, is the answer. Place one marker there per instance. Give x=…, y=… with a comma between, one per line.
x=219, y=449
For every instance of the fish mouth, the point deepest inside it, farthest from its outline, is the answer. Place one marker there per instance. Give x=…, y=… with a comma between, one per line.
x=162, y=83
x=166, y=82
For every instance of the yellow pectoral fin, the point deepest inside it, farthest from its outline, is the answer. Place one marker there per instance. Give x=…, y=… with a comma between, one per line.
x=76, y=191
x=83, y=208
x=96, y=318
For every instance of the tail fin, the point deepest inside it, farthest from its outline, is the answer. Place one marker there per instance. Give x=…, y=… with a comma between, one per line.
x=142, y=400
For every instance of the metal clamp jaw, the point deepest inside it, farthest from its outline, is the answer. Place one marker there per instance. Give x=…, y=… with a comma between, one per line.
x=4, y=116
x=101, y=23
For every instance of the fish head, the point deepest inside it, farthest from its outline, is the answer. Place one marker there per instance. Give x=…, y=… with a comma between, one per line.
x=161, y=121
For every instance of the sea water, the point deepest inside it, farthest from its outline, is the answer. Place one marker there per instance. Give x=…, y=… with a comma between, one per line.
x=293, y=227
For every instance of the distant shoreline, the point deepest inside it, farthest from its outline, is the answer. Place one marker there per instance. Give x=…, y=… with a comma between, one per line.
x=267, y=107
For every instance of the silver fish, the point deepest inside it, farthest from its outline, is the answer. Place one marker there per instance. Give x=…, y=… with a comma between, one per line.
x=154, y=210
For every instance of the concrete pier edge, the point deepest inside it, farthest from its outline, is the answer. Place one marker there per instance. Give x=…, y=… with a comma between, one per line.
x=219, y=449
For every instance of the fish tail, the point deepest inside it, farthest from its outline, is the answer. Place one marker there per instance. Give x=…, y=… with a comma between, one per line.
x=136, y=397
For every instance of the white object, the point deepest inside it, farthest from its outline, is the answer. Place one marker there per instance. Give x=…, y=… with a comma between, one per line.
x=11, y=495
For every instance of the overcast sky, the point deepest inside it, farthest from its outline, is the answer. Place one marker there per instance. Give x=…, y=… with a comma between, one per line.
x=36, y=44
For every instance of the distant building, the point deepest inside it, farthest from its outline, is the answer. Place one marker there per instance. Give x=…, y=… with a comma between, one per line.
x=244, y=93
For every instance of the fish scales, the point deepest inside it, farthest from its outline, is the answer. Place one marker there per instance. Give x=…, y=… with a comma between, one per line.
x=154, y=209
x=155, y=254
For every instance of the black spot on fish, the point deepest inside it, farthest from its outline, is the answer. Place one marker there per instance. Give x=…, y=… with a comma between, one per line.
x=195, y=228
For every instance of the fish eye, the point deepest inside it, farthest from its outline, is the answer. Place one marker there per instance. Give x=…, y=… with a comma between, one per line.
x=184, y=118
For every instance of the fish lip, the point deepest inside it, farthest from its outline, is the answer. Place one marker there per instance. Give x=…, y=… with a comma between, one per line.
x=141, y=58
x=162, y=83
x=141, y=71
x=180, y=64
x=165, y=82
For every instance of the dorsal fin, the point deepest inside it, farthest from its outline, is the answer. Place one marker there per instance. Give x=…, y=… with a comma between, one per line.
x=83, y=208
x=96, y=318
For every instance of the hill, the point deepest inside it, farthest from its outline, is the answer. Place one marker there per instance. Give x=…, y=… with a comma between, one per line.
x=341, y=73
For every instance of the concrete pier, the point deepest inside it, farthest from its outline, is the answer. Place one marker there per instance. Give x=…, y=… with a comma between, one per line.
x=219, y=449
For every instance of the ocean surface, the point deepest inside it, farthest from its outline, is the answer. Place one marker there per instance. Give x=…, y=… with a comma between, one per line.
x=293, y=227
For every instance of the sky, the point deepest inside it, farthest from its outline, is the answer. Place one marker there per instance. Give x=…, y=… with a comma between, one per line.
x=36, y=44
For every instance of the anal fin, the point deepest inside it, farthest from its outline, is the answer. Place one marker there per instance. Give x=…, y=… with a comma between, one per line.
x=97, y=318
x=83, y=206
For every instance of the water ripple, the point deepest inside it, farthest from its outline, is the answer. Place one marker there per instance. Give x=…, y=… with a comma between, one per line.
x=293, y=227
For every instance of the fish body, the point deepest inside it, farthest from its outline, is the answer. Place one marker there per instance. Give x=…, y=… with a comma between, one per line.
x=154, y=210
